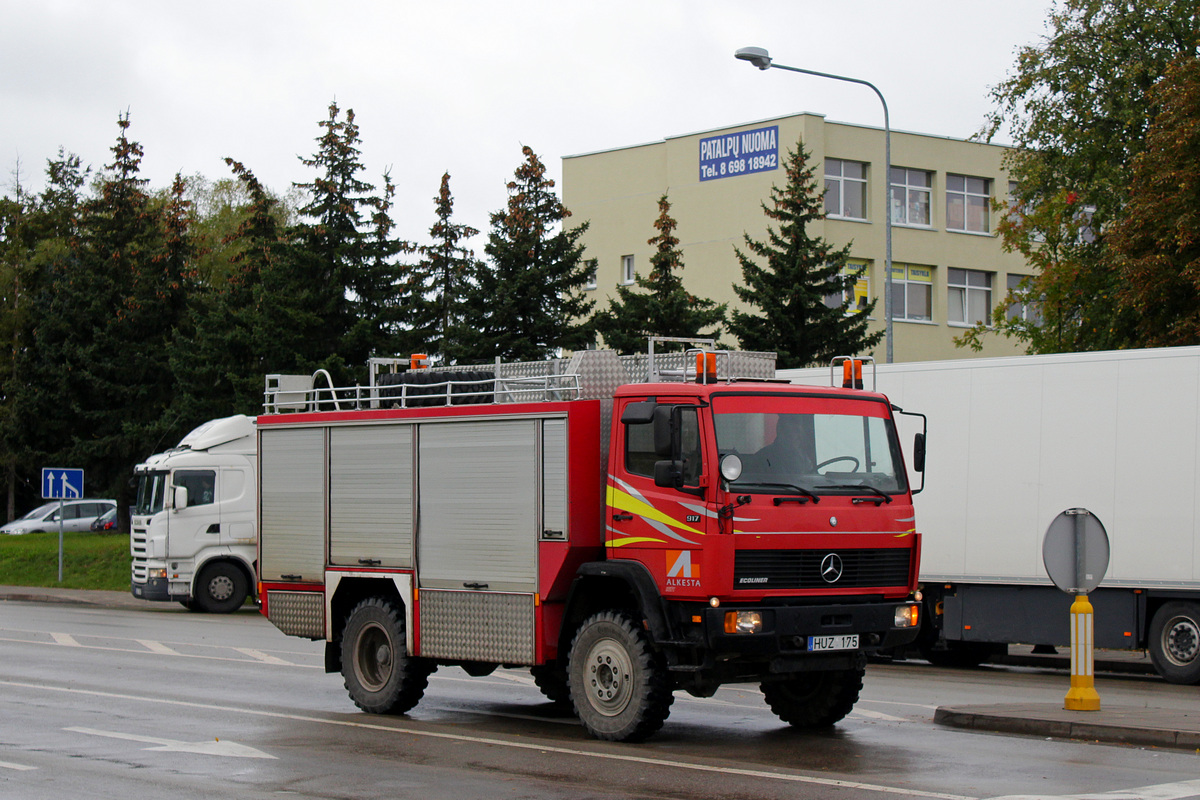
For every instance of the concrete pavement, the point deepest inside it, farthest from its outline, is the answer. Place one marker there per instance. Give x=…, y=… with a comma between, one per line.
x=1155, y=727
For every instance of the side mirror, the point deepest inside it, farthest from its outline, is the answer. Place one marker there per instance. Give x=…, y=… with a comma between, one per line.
x=919, y=452
x=668, y=474
x=180, y=498
x=639, y=413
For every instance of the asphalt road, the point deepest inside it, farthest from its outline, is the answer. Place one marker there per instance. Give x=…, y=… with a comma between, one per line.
x=115, y=703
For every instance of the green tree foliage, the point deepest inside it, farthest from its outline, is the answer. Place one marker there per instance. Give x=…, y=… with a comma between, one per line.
x=1078, y=106
x=35, y=242
x=91, y=383
x=439, y=283
x=664, y=307
x=344, y=275
x=235, y=332
x=526, y=303
x=1156, y=243
x=797, y=274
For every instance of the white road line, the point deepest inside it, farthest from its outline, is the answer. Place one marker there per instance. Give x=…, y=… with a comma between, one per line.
x=18, y=767
x=1161, y=791
x=877, y=715
x=398, y=728
x=259, y=655
x=70, y=641
x=65, y=639
x=157, y=647
x=214, y=748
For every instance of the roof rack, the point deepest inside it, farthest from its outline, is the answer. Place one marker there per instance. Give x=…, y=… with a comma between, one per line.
x=587, y=374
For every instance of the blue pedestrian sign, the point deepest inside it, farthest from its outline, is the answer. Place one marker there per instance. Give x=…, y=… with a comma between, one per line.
x=62, y=484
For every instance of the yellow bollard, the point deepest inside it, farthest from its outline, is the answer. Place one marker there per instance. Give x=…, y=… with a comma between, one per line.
x=1082, y=695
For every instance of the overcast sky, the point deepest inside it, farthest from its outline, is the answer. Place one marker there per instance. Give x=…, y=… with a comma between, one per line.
x=461, y=86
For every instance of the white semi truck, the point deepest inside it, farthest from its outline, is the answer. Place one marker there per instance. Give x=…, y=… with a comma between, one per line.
x=1020, y=440
x=193, y=536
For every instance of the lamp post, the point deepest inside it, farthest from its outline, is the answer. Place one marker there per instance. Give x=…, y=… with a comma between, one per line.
x=761, y=59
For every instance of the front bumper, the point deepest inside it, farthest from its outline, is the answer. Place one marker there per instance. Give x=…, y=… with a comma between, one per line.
x=786, y=630
x=152, y=589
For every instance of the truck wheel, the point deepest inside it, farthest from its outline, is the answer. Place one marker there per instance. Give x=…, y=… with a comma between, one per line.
x=552, y=681
x=619, y=684
x=380, y=675
x=961, y=655
x=814, y=699
x=220, y=589
x=1175, y=642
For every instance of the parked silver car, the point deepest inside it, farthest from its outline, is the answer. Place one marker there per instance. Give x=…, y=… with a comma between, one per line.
x=78, y=515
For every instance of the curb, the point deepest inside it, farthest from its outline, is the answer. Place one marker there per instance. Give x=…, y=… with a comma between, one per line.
x=1155, y=727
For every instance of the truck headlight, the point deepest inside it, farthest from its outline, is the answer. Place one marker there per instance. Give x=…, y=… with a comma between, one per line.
x=908, y=616
x=156, y=573
x=743, y=622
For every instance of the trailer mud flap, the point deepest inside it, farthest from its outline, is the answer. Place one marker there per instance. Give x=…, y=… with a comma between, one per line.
x=493, y=627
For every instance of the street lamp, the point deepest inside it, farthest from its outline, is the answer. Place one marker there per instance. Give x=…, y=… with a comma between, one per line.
x=761, y=59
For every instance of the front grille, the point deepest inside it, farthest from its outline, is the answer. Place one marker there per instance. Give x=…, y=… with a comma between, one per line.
x=817, y=569
x=137, y=547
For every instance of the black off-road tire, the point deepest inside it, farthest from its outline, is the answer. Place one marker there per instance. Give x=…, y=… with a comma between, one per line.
x=1175, y=642
x=221, y=588
x=619, y=683
x=552, y=681
x=379, y=674
x=814, y=699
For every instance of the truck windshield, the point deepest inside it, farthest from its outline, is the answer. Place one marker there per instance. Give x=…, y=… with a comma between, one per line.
x=785, y=444
x=151, y=491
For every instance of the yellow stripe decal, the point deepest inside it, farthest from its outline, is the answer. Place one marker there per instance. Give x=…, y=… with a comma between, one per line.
x=627, y=502
x=631, y=540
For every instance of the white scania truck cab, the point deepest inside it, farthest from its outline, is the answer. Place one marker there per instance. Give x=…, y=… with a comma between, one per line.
x=193, y=536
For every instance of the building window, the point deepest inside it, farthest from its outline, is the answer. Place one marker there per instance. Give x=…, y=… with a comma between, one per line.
x=627, y=273
x=967, y=201
x=845, y=188
x=969, y=296
x=858, y=295
x=912, y=292
x=912, y=196
x=591, y=279
x=1021, y=306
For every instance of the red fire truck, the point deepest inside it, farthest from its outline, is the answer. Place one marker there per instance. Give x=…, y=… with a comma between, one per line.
x=624, y=527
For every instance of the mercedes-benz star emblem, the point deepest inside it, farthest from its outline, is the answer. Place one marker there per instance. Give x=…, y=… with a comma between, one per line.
x=831, y=568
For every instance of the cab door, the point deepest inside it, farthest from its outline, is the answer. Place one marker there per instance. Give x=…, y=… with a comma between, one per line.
x=664, y=527
x=196, y=525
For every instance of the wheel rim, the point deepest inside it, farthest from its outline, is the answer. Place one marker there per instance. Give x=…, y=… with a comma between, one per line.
x=1181, y=641
x=373, y=657
x=220, y=588
x=609, y=677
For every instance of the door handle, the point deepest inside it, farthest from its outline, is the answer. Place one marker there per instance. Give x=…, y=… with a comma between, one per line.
x=622, y=517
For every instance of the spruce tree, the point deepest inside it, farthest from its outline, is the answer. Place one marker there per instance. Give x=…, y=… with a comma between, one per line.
x=237, y=331
x=439, y=282
x=93, y=378
x=526, y=303
x=343, y=275
x=799, y=271
x=664, y=307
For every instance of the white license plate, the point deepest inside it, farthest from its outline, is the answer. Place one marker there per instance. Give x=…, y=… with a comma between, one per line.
x=822, y=643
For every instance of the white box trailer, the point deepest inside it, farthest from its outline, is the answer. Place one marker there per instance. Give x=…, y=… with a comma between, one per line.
x=1015, y=441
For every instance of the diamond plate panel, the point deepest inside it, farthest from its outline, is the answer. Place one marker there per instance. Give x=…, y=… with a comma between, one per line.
x=297, y=613
x=477, y=626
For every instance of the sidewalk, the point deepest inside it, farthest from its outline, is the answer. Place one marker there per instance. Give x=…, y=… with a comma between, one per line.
x=88, y=597
x=1154, y=727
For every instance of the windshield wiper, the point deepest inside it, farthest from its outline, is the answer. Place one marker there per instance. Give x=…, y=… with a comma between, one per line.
x=805, y=494
x=880, y=497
